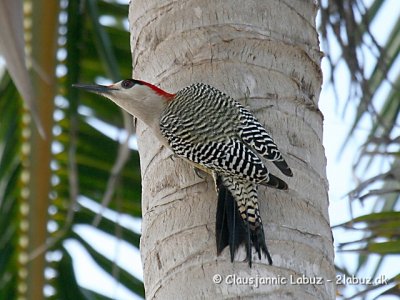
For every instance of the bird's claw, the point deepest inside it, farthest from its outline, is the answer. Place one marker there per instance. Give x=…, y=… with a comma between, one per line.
x=199, y=172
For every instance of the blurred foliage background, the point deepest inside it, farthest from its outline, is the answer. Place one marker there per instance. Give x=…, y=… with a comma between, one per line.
x=368, y=51
x=89, y=156
x=86, y=172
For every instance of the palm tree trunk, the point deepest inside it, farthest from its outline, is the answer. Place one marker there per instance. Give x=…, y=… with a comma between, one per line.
x=38, y=162
x=266, y=55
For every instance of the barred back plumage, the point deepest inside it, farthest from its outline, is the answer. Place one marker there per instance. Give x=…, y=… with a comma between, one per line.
x=215, y=132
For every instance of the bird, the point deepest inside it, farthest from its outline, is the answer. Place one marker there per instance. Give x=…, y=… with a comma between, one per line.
x=218, y=135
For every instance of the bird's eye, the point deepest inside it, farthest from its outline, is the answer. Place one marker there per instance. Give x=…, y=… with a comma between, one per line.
x=128, y=83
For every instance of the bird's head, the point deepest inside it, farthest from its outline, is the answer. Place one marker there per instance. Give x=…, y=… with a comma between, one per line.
x=139, y=98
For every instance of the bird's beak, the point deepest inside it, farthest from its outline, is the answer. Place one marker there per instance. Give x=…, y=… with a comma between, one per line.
x=95, y=88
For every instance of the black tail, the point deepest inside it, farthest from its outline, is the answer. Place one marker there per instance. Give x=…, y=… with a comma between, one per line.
x=275, y=182
x=283, y=167
x=232, y=230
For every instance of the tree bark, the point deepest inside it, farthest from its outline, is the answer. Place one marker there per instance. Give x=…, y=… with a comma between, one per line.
x=266, y=55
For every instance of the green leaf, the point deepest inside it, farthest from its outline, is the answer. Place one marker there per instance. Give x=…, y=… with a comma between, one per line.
x=68, y=288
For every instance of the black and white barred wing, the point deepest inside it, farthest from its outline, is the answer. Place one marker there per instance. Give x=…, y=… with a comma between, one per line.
x=256, y=136
x=230, y=157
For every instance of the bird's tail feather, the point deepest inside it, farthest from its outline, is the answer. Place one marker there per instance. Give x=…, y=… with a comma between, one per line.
x=238, y=222
x=275, y=182
x=230, y=228
x=283, y=167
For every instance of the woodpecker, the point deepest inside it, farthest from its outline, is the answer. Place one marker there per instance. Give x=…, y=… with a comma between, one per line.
x=218, y=135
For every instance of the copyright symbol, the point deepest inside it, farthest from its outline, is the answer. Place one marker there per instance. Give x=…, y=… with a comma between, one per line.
x=217, y=279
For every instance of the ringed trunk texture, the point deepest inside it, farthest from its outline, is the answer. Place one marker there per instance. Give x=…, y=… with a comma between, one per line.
x=266, y=55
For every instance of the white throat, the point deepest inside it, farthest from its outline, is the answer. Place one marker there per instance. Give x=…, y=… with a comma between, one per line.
x=142, y=102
